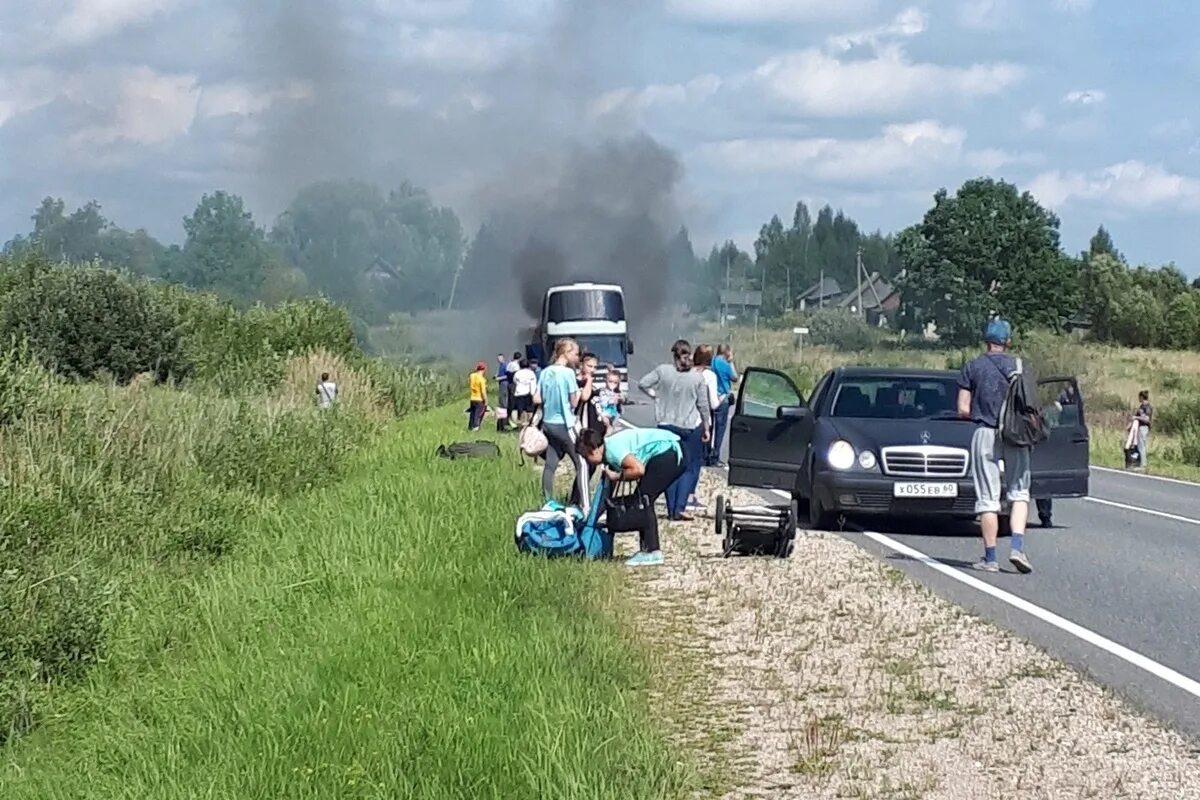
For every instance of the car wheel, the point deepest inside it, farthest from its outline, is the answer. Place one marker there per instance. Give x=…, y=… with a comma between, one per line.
x=819, y=519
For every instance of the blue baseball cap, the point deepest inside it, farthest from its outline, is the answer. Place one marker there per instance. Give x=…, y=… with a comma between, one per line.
x=998, y=332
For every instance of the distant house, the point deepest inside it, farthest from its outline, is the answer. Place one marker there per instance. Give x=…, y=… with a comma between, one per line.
x=736, y=304
x=880, y=300
x=382, y=271
x=825, y=293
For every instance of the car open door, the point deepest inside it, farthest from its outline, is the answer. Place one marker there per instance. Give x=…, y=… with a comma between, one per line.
x=1060, y=465
x=769, y=433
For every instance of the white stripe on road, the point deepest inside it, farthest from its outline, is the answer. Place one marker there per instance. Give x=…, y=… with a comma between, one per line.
x=1144, y=476
x=1141, y=510
x=1151, y=666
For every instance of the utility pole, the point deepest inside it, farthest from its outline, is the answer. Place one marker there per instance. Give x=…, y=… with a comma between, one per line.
x=821, y=289
x=454, y=284
x=858, y=276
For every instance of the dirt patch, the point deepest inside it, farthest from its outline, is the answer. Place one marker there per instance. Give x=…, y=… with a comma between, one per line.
x=831, y=675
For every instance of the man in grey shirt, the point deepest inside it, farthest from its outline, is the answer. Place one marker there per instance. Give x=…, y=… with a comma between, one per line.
x=681, y=406
x=982, y=389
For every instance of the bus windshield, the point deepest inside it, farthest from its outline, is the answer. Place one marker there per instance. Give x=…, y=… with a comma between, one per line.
x=577, y=306
x=608, y=349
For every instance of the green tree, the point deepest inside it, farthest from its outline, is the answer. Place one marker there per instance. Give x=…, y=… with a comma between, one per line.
x=1139, y=319
x=1102, y=244
x=379, y=253
x=225, y=251
x=1106, y=284
x=987, y=250
x=1182, y=327
x=86, y=235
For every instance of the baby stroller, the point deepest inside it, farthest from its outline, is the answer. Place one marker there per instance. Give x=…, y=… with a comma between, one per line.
x=756, y=530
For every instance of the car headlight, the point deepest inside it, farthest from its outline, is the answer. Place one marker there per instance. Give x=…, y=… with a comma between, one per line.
x=840, y=455
x=866, y=459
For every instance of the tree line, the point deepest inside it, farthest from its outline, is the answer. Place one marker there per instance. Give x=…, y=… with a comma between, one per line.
x=987, y=249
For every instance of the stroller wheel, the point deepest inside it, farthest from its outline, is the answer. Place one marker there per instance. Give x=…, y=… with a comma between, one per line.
x=719, y=520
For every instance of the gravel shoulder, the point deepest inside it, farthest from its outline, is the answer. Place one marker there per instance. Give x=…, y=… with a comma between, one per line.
x=832, y=675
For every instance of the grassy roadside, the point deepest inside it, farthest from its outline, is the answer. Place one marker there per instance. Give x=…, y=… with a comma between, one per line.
x=374, y=639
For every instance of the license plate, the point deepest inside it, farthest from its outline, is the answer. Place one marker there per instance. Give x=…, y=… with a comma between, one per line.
x=925, y=490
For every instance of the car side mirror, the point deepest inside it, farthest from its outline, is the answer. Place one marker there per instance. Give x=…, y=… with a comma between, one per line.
x=791, y=412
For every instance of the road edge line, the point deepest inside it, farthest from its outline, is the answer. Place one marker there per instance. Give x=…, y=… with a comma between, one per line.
x=1144, y=476
x=1140, y=510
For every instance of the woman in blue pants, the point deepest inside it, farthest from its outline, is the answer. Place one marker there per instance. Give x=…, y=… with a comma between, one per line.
x=681, y=407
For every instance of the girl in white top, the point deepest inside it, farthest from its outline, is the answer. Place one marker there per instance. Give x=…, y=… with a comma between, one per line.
x=702, y=363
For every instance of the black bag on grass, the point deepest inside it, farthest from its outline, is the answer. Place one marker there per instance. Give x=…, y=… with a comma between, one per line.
x=459, y=450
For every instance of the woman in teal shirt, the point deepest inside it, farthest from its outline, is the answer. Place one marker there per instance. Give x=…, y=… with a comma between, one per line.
x=650, y=456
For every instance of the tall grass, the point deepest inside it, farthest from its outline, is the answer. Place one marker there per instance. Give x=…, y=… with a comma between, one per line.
x=377, y=639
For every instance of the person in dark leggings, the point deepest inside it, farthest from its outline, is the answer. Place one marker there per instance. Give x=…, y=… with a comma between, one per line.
x=558, y=395
x=650, y=456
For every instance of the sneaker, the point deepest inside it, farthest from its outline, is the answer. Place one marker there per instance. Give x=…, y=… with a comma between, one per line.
x=1020, y=561
x=983, y=565
x=654, y=559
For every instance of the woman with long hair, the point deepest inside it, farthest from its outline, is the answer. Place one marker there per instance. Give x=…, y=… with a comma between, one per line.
x=681, y=407
x=558, y=395
x=702, y=361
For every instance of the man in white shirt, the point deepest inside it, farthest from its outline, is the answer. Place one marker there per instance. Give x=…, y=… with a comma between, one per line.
x=326, y=391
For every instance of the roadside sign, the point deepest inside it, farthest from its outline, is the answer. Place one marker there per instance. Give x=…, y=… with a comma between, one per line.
x=800, y=331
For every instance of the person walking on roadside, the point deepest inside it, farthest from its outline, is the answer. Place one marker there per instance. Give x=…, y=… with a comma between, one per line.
x=326, y=392
x=650, y=456
x=477, y=393
x=702, y=362
x=1143, y=417
x=727, y=376
x=681, y=407
x=558, y=395
x=982, y=389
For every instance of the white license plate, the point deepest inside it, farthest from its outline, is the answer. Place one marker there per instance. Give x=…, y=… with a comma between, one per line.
x=925, y=490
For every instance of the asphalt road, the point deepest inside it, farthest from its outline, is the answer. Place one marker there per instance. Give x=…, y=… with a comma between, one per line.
x=1115, y=590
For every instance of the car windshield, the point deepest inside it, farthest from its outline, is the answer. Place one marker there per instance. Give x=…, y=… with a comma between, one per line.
x=896, y=398
x=607, y=349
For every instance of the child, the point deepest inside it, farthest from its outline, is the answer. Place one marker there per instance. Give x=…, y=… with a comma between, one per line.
x=477, y=389
x=610, y=397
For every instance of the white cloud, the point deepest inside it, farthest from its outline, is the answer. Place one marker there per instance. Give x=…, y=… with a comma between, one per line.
x=822, y=85
x=1085, y=97
x=983, y=14
x=1130, y=184
x=25, y=90
x=1033, y=120
x=899, y=150
x=88, y=20
x=759, y=11
x=637, y=100
x=150, y=108
x=240, y=99
x=908, y=23
x=455, y=49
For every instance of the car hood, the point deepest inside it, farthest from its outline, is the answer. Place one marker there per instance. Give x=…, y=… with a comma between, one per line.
x=879, y=433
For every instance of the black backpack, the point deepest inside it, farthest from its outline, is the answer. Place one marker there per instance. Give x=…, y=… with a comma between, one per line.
x=468, y=450
x=1021, y=422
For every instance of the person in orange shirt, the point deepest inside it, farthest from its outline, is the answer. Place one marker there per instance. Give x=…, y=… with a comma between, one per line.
x=477, y=388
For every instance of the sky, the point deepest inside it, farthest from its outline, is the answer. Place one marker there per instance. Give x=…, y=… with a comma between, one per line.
x=868, y=105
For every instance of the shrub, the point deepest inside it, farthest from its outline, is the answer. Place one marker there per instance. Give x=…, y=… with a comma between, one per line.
x=25, y=387
x=1180, y=416
x=1189, y=446
x=84, y=322
x=842, y=330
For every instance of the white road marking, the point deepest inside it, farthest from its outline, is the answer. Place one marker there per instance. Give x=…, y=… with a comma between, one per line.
x=1151, y=666
x=1144, y=476
x=1141, y=510
x=1156, y=669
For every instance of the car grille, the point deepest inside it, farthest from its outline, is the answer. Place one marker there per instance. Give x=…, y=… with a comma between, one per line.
x=925, y=461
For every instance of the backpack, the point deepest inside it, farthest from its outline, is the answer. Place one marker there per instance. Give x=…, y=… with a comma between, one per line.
x=532, y=442
x=556, y=531
x=459, y=450
x=1021, y=422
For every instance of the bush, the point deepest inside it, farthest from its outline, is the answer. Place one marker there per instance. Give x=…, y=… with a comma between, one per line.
x=1189, y=446
x=842, y=330
x=25, y=387
x=1178, y=417
x=85, y=322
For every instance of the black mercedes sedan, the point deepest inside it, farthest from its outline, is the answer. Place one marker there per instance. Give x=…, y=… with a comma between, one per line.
x=875, y=441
